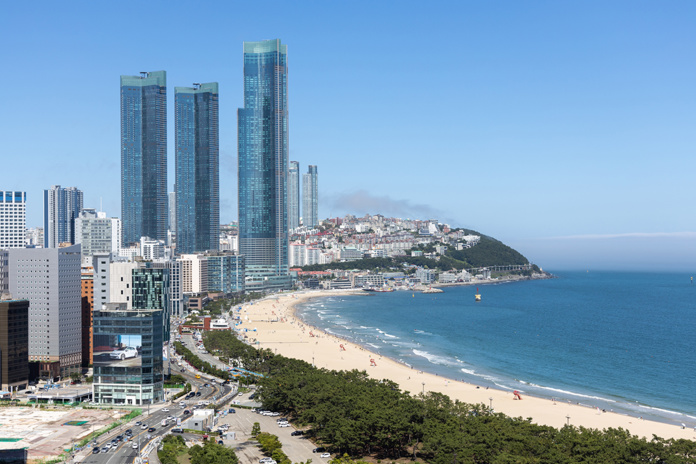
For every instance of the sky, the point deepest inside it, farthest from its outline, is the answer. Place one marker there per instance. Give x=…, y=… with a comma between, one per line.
x=567, y=130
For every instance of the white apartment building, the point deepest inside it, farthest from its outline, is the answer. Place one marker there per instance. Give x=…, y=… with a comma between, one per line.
x=13, y=218
x=194, y=273
x=151, y=249
x=97, y=233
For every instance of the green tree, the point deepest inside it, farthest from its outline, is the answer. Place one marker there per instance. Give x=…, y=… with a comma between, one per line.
x=212, y=453
x=255, y=429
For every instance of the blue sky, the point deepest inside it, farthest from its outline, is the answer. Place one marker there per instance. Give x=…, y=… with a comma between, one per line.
x=564, y=129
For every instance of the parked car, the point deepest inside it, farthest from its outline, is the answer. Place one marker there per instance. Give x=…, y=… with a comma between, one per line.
x=318, y=450
x=283, y=424
x=325, y=455
x=297, y=433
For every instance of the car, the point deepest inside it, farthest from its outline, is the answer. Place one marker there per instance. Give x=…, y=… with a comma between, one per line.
x=104, y=449
x=143, y=427
x=165, y=409
x=183, y=370
x=325, y=455
x=206, y=385
x=177, y=430
x=198, y=393
x=134, y=445
x=95, y=450
x=119, y=438
x=127, y=352
x=282, y=419
x=128, y=432
x=108, y=445
x=297, y=433
x=186, y=411
x=138, y=423
x=151, y=429
x=274, y=414
x=231, y=411
x=283, y=424
x=265, y=460
x=318, y=450
x=170, y=418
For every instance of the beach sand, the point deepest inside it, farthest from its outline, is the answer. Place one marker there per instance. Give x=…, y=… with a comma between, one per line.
x=279, y=330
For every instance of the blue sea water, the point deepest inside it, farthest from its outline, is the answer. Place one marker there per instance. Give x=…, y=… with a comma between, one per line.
x=620, y=341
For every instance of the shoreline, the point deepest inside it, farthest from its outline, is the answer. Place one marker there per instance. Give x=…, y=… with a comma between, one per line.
x=279, y=328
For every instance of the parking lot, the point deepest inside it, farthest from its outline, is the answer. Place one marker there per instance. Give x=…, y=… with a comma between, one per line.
x=297, y=448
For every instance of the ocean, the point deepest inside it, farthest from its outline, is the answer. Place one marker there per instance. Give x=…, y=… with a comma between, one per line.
x=618, y=341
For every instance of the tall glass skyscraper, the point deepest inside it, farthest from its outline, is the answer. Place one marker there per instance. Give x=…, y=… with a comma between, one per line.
x=144, y=156
x=294, y=195
x=310, y=197
x=263, y=165
x=61, y=207
x=197, y=168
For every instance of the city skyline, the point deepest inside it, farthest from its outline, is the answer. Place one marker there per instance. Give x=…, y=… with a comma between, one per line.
x=562, y=130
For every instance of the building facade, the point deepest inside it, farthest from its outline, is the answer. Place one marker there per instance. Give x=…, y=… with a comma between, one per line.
x=144, y=156
x=61, y=208
x=151, y=291
x=87, y=297
x=13, y=218
x=225, y=272
x=197, y=168
x=14, y=342
x=294, y=195
x=310, y=198
x=263, y=165
x=50, y=278
x=128, y=356
x=96, y=233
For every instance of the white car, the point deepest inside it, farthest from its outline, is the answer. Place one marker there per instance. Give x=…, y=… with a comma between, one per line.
x=283, y=424
x=325, y=455
x=127, y=352
x=134, y=445
x=165, y=409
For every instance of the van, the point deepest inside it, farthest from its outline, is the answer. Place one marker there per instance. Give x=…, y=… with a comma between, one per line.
x=164, y=422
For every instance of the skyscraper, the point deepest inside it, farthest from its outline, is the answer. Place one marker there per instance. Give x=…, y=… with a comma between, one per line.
x=310, y=198
x=13, y=219
x=263, y=165
x=144, y=156
x=294, y=195
x=197, y=168
x=61, y=208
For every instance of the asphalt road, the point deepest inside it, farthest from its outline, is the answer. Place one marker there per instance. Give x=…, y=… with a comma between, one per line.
x=124, y=452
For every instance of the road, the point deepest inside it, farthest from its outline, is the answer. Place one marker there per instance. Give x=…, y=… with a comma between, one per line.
x=124, y=452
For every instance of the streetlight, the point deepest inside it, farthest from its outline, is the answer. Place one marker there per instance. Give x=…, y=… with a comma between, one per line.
x=491, y=402
x=567, y=420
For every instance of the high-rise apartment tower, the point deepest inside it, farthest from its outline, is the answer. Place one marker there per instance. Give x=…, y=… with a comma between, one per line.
x=61, y=208
x=310, y=197
x=13, y=219
x=263, y=165
x=294, y=195
x=144, y=156
x=197, y=168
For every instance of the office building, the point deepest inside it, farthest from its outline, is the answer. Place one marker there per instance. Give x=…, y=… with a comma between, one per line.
x=197, y=166
x=144, y=156
x=294, y=195
x=263, y=166
x=151, y=291
x=128, y=359
x=13, y=218
x=14, y=342
x=194, y=273
x=50, y=279
x=61, y=208
x=101, y=263
x=96, y=233
x=225, y=272
x=310, y=198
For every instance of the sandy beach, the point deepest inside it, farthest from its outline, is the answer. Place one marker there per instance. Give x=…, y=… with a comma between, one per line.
x=279, y=330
